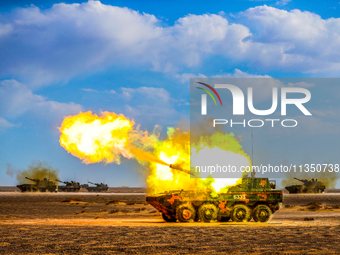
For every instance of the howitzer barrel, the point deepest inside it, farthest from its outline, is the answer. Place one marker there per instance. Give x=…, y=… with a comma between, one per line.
x=304, y=181
x=34, y=180
x=93, y=183
x=173, y=166
x=60, y=181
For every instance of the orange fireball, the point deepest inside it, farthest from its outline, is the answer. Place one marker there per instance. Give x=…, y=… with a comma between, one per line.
x=95, y=139
x=108, y=137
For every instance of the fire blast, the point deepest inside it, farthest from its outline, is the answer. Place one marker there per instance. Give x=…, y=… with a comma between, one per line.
x=108, y=137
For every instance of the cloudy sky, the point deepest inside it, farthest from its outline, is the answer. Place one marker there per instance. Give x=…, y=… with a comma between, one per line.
x=137, y=58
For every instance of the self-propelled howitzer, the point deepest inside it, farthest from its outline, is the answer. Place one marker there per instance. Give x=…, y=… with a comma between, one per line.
x=253, y=198
x=308, y=186
x=40, y=185
x=99, y=187
x=69, y=187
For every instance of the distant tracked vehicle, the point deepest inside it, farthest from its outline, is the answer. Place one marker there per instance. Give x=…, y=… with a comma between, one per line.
x=308, y=186
x=69, y=187
x=44, y=185
x=100, y=187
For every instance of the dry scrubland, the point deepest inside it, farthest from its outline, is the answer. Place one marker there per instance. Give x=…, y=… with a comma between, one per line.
x=84, y=223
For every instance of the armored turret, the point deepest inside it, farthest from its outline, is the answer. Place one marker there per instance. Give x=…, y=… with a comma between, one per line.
x=69, y=187
x=308, y=186
x=304, y=181
x=40, y=185
x=99, y=187
x=33, y=180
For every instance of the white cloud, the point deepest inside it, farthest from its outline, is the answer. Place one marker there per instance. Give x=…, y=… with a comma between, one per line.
x=89, y=90
x=5, y=29
x=150, y=111
x=239, y=74
x=5, y=123
x=70, y=39
x=153, y=105
x=185, y=77
x=293, y=40
x=327, y=113
x=154, y=113
x=17, y=99
x=158, y=94
x=315, y=126
x=111, y=91
x=98, y=91
x=283, y=2
x=301, y=84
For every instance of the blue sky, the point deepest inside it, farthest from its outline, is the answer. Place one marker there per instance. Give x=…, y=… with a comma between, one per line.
x=136, y=58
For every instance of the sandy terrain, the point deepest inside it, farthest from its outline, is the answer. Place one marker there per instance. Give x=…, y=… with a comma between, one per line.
x=121, y=222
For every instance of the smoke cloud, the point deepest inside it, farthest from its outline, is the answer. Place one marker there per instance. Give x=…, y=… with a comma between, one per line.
x=37, y=170
x=11, y=171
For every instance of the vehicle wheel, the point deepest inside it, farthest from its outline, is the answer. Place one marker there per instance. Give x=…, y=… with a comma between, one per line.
x=185, y=213
x=168, y=218
x=223, y=219
x=262, y=213
x=241, y=213
x=207, y=213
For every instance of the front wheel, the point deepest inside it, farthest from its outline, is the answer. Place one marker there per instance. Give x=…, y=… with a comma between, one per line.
x=186, y=213
x=262, y=213
x=207, y=213
x=241, y=213
x=168, y=218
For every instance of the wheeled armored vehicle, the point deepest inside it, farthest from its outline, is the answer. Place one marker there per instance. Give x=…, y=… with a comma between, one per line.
x=254, y=198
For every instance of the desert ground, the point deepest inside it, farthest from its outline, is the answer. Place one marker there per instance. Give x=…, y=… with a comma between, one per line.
x=120, y=221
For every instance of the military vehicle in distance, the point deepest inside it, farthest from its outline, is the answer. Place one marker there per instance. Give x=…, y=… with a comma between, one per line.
x=40, y=185
x=253, y=198
x=99, y=187
x=308, y=186
x=69, y=187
